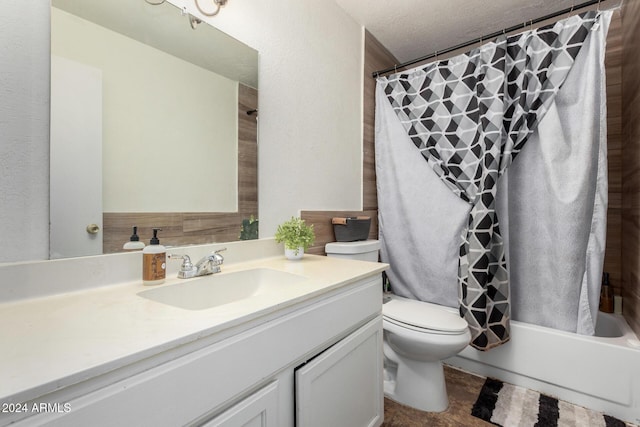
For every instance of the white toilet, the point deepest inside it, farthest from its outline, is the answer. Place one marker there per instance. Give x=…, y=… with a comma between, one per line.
x=417, y=337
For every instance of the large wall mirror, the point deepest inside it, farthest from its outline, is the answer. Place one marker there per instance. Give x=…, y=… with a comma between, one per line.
x=153, y=124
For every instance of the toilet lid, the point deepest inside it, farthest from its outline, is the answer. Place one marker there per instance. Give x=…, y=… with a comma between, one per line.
x=423, y=315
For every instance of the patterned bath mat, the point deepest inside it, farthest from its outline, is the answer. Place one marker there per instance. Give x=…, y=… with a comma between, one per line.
x=507, y=405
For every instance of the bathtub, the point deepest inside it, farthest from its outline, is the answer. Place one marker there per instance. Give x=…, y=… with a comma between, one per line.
x=600, y=372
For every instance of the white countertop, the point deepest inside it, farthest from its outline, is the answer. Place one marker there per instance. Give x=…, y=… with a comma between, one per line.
x=54, y=341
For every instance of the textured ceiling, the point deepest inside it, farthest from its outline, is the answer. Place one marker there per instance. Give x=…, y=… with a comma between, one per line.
x=413, y=28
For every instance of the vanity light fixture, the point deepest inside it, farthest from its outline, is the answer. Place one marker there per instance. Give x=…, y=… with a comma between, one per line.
x=218, y=3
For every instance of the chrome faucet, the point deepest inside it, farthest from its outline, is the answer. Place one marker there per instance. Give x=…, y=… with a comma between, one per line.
x=209, y=264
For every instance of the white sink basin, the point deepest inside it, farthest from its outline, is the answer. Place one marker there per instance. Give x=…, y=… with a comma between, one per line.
x=205, y=292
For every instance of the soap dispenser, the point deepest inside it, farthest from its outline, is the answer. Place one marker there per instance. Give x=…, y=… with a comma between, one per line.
x=154, y=261
x=134, y=243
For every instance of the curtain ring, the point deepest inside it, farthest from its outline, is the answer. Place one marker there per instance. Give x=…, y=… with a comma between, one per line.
x=218, y=3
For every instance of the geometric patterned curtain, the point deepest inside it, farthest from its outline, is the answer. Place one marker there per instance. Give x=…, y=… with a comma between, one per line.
x=470, y=116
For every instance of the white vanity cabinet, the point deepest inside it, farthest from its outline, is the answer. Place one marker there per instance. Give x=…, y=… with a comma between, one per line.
x=247, y=375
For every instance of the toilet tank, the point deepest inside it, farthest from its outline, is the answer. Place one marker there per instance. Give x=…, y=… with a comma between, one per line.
x=365, y=250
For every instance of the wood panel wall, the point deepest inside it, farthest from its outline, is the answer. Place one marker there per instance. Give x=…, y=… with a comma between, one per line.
x=613, y=65
x=182, y=228
x=376, y=57
x=630, y=251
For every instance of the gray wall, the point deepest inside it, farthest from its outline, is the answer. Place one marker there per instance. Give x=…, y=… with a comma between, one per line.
x=24, y=129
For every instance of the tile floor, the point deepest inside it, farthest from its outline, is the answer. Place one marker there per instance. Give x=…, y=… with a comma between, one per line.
x=463, y=389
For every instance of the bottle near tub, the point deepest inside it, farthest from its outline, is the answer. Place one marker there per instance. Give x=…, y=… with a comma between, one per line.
x=617, y=304
x=606, y=295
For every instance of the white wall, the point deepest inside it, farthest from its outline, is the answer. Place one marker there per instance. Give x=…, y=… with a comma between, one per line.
x=310, y=102
x=24, y=130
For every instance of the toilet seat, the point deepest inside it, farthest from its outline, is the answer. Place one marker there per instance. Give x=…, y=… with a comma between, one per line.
x=422, y=317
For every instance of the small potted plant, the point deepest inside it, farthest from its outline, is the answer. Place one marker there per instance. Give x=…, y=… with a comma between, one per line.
x=297, y=237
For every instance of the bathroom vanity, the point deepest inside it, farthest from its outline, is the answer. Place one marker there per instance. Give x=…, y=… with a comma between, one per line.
x=307, y=353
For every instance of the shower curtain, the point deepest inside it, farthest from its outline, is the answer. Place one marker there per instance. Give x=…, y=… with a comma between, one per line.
x=533, y=232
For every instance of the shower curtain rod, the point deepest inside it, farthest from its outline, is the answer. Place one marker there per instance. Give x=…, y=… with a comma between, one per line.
x=376, y=74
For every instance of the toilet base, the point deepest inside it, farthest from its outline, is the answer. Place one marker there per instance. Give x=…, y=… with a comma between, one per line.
x=419, y=385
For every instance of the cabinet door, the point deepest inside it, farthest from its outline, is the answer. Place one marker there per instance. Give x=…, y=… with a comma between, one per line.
x=342, y=386
x=258, y=410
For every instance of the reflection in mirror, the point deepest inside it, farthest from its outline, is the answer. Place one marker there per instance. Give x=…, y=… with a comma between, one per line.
x=149, y=127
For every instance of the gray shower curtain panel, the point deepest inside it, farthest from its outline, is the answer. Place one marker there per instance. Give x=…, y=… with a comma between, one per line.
x=470, y=117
